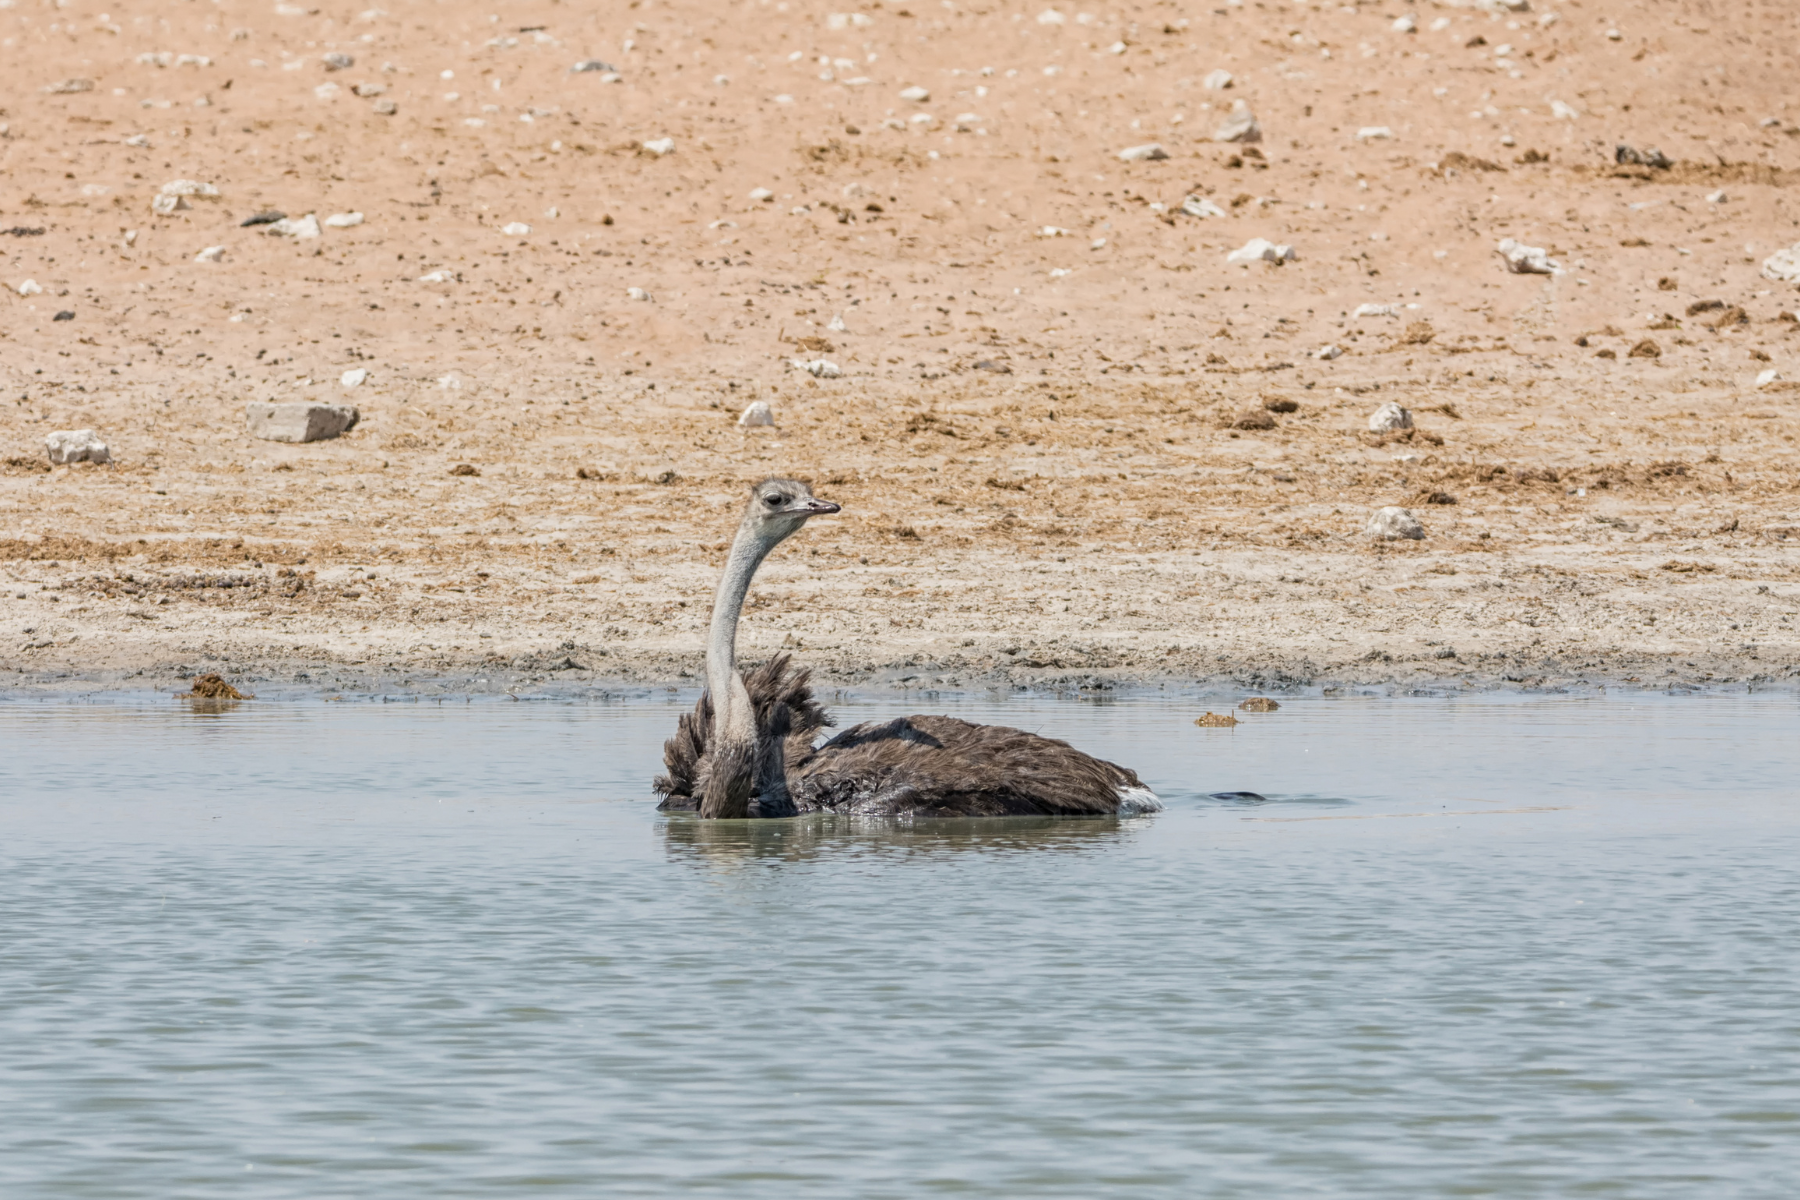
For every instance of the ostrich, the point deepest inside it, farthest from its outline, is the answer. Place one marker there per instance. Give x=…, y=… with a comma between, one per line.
x=747, y=748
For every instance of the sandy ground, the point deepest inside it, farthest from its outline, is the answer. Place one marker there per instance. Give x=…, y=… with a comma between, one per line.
x=1041, y=356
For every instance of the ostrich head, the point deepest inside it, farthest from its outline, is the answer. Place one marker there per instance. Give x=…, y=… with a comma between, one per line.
x=777, y=510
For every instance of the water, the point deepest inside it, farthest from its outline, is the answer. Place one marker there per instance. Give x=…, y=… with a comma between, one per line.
x=1486, y=947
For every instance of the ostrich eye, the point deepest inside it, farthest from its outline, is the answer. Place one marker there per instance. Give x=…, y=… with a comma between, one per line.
x=772, y=501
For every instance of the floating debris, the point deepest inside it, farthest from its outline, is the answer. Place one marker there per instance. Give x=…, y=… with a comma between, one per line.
x=214, y=687
x=1213, y=720
x=1259, y=704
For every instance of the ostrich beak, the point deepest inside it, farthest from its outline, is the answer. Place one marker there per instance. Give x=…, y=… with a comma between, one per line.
x=812, y=506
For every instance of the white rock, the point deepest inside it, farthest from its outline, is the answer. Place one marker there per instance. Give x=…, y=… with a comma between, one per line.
x=1050, y=17
x=759, y=413
x=1406, y=24
x=440, y=276
x=30, y=288
x=921, y=119
x=1375, y=310
x=847, y=21
x=836, y=325
x=762, y=195
x=1563, y=112
x=916, y=94
x=1370, y=133
x=1240, y=126
x=1718, y=197
x=337, y=60
x=638, y=293
x=1329, y=352
x=385, y=108
x=449, y=383
x=298, y=422
x=326, y=91
x=300, y=229
x=1199, y=206
x=590, y=64
x=818, y=368
x=368, y=91
x=1097, y=244
x=76, y=445
x=1393, y=524
x=162, y=205
x=1783, y=266
x=1390, y=417
x=211, y=254
x=354, y=377
x=660, y=146
x=1765, y=378
x=343, y=220
x=1217, y=80
x=515, y=229
x=1152, y=152
x=1527, y=260
x=1116, y=48
x=1261, y=250
x=966, y=122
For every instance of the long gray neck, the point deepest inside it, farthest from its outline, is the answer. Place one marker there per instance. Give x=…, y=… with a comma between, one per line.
x=747, y=554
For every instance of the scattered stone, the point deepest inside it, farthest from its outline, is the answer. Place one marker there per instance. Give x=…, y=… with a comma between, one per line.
x=1213, y=720
x=337, y=60
x=1254, y=418
x=836, y=324
x=1240, y=126
x=1718, y=197
x=1329, y=352
x=1446, y=652
x=1153, y=152
x=1406, y=24
x=214, y=687
x=1418, y=333
x=466, y=470
x=993, y=366
x=1280, y=404
x=1259, y=704
x=76, y=445
x=515, y=229
x=1645, y=349
x=660, y=146
x=638, y=293
x=1392, y=524
x=1527, y=260
x=1704, y=306
x=302, y=422
x=368, y=91
x=848, y=21
x=1563, y=111
x=818, y=368
x=300, y=230
x=915, y=94
x=30, y=287
x=163, y=206
x=1371, y=133
x=440, y=276
x=266, y=217
x=1199, y=206
x=1765, y=378
x=1374, y=310
x=1783, y=266
x=761, y=195
x=1261, y=250
x=211, y=254
x=354, y=377
x=1631, y=156
x=1217, y=80
x=385, y=108
x=69, y=87
x=757, y=414
x=1389, y=417
x=347, y=220
x=64, y=315
x=591, y=64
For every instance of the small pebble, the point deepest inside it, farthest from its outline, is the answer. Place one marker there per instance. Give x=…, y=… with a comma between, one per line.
x=300, y=230
x=266, y=217
x=1390, y=417
x=638, y=293
x=337, y=60
x=660, y=146
x=757, y=414
x=343, y=220
x=915, y=94
x=211, y=254
x=76, y=445
x=1240, y=126
x=1393, y=524
x=515, y=229
x=1153, y=152
x=354, y=377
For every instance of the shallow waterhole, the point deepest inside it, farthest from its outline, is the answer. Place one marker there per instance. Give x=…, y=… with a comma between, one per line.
x=1488, y=946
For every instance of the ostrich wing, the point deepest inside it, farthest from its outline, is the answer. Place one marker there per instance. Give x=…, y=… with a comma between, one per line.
x=776, y=682
x=942, y=766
